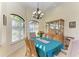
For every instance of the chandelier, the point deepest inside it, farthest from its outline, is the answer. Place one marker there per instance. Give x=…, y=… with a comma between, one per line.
x=38, y=14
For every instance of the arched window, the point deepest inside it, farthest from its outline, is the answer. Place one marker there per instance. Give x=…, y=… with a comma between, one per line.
x=33, y=26
x=17, y=27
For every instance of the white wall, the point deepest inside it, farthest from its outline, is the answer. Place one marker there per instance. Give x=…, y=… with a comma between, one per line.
x=0, y=24
x=68, y=12
x=10, y=8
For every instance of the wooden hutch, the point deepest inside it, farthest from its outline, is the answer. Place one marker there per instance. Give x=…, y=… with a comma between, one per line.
x=56, y=29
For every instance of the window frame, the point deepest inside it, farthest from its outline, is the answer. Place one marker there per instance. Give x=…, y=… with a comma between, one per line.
x=33, y=24
x=23, y=28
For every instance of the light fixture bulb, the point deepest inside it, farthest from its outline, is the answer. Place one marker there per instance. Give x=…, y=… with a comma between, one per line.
x=39, y=11
x=34, y=12
x=42, y=14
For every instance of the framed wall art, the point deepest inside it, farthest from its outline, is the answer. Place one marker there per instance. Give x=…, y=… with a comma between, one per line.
x=72, y=24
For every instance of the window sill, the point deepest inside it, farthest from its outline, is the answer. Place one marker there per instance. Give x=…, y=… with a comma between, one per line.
x=15, y=42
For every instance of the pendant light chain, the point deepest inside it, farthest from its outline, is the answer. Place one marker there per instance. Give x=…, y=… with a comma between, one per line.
x=37, y=4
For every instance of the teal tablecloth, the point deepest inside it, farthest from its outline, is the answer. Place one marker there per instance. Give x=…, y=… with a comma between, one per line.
x=48, y=50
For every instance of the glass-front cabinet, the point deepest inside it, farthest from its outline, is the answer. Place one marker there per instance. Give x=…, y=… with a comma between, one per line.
x=55, y=29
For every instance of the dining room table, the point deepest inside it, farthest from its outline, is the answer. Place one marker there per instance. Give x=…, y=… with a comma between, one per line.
x=47, y=47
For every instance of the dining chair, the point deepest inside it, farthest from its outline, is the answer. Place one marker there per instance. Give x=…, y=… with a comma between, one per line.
x=73, y=49
x=33, y=49
x=27, y=44
x=30, y=48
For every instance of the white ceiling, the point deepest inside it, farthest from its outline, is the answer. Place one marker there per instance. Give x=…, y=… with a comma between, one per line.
x=42, y=5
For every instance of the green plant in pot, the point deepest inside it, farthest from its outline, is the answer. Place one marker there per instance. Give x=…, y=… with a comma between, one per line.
x=40, y=33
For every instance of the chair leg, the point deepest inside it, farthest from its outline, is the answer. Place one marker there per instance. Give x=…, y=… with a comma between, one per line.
x=27, y=52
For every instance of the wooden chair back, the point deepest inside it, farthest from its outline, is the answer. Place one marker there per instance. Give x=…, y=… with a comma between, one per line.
x=33, y=49
x=30, y=48
x=27, y=44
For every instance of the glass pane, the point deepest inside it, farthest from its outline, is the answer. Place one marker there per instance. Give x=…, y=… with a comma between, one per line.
x=33, y=26
x=17, y=28
x=52, y=26
x=15, y=35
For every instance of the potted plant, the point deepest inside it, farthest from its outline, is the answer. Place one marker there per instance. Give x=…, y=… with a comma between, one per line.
x=40, y=33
